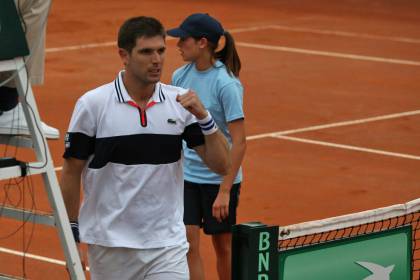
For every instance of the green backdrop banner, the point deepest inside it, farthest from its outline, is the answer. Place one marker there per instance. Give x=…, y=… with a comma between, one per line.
x=377, y=256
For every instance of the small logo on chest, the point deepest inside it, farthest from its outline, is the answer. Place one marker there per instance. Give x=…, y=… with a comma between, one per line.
x=171, y=121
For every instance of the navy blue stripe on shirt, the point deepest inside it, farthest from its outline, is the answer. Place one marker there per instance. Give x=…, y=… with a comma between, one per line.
x=79, y=145
x=193, y=135
x=161, y=95
x=116, y=90
x=132, y=149
x=119, y=88
x=137, y=149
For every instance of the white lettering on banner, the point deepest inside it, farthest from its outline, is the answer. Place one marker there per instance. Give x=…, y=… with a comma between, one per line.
x=263, y=255
x=264, y=243
x=263, y=260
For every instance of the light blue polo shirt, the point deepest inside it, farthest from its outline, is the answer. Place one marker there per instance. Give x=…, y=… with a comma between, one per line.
x=222, y=95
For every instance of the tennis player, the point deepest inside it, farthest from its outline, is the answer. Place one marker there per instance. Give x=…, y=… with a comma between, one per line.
x=125, y=143
x=211, y=199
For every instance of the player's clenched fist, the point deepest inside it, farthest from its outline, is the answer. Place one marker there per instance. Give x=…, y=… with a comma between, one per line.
x=192, y=103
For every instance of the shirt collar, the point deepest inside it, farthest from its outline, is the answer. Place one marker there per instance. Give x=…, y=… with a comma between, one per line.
x=122, y=95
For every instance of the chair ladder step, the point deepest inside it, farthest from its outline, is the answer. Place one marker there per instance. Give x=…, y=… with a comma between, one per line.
x=30, y=216
x=16, y=140
x=15, y=171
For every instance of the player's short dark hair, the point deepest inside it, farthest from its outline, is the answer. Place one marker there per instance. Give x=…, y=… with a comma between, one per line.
x=138, y=27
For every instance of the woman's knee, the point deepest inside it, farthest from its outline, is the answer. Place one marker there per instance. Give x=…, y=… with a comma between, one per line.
x=222, y=243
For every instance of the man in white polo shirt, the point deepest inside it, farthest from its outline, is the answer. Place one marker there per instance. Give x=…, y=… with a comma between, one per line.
x=124, y=141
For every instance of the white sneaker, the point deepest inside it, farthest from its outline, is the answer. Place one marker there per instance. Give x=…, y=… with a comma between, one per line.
x=13, y=122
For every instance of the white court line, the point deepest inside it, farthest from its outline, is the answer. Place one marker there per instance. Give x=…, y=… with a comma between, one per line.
x=31, y=256
x=324, y=126
x=281, y=134
x=114, y=43
x=338, y=124
x=257, y=28
x=330, y=54
x=258, y=46
x=247, y=29
x=347, y=34
x=35, y=257
x=81, y=47
x=348, y=147
x=264, y=47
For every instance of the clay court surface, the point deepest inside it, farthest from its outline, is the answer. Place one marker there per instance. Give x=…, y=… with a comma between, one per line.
x=316, y=76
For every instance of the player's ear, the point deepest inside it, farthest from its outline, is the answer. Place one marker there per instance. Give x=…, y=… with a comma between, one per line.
x=124, y=55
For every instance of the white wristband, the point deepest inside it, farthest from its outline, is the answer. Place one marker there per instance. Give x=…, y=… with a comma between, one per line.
x=208, y=126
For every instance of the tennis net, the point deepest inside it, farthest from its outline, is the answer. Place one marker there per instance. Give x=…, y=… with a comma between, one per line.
x=357, y=224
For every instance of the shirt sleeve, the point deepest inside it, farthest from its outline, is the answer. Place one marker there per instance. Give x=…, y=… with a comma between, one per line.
x=175, y=77
x=192, y=134
x=80, y=137
x=232, y=101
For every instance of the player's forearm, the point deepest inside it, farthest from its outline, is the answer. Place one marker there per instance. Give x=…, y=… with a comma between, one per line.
x=237, y=154
x=70, y=188
x=216, y=154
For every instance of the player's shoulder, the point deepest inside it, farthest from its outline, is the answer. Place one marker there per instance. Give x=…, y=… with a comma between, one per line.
x=99, y=95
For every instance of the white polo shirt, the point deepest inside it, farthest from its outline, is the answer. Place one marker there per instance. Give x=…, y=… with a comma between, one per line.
x=133, y=179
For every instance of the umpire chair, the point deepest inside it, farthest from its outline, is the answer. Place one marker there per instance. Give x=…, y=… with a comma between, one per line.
x=13, y=49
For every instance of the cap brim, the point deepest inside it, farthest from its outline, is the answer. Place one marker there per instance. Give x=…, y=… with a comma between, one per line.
x=177, y=32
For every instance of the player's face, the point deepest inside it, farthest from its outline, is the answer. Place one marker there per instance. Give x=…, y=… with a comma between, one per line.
x=145, y=62
x=189, y=48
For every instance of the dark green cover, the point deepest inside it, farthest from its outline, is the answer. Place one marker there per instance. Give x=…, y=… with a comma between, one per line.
x=254, y=251
x=12, y=38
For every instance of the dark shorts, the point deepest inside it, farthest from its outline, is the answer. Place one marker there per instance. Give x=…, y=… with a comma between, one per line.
x=198, y=203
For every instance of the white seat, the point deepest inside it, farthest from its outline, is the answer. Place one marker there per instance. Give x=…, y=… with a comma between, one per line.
x=13, y=122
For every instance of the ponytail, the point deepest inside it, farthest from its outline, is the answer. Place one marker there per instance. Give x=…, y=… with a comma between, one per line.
x=229, y=56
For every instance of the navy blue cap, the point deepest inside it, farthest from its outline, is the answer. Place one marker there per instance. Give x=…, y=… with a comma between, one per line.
x=198, y=26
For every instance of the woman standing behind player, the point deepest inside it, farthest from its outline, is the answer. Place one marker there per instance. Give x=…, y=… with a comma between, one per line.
x=211, y=200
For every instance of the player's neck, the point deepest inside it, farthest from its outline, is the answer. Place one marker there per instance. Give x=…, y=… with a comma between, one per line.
x=138, y=91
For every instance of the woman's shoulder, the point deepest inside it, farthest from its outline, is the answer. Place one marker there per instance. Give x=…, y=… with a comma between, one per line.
x=183, y=69
x=224, y=76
